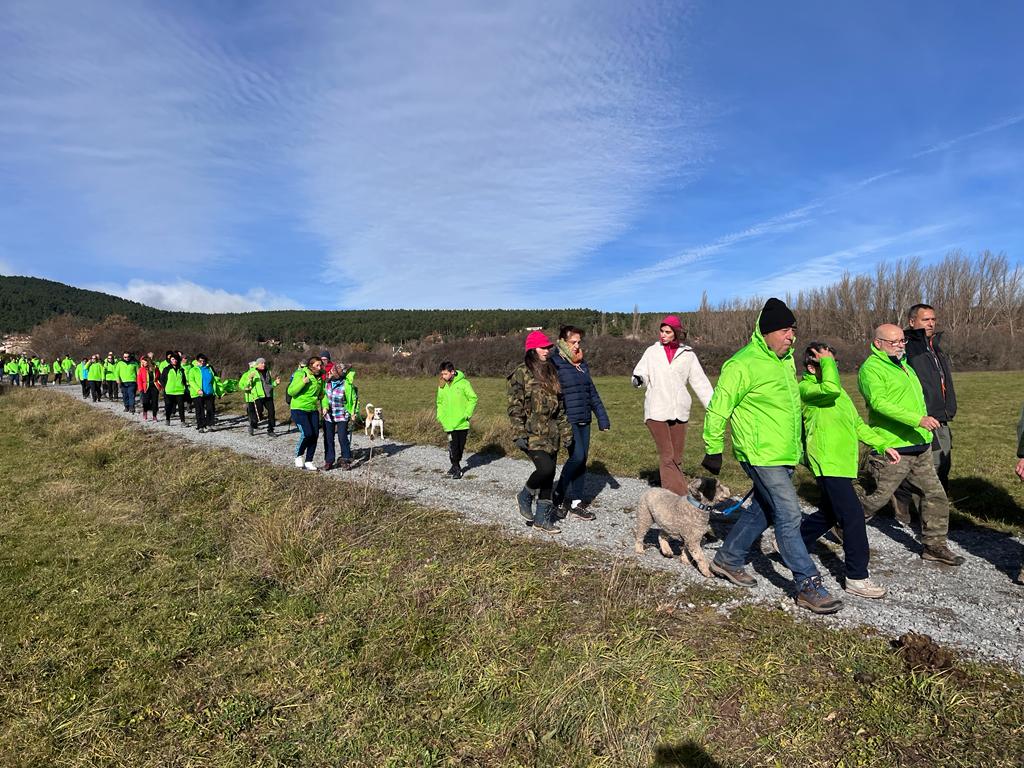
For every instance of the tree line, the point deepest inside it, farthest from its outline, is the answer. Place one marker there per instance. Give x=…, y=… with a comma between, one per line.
x=979, y=300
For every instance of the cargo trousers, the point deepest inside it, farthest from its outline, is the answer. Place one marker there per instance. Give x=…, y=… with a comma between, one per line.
x=919, y=473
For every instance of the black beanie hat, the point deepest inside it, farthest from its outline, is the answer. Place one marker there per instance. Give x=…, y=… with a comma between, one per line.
x=775, y=316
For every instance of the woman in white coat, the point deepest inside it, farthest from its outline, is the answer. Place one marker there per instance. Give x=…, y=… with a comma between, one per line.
x=666, y=369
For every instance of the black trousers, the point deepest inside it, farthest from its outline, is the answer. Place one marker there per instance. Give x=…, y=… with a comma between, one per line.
x=85, y=388
x=206, y=410
x=257, y=408
x=457, y=445
x=543, y=477
x=840, y=506
x=97, y=390
x=151, y=400
x=111, y=388
x=174, y=403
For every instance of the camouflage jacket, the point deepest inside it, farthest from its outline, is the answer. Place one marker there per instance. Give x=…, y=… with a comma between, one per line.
x=536, y=413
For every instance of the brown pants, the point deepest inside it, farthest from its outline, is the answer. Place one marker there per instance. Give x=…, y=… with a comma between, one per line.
x=670, y=437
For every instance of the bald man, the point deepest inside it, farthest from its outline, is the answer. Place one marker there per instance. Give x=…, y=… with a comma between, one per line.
x=896, y=409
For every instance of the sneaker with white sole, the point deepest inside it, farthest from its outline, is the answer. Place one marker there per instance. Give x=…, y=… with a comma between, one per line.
x=298, y=462
x=865, y=588
x=311, y=466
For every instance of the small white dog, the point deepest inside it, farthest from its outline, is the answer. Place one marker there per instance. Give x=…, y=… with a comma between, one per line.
x=374, y=421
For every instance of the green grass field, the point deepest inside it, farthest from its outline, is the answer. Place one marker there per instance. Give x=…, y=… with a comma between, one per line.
x=983, y=486
x=167, y=605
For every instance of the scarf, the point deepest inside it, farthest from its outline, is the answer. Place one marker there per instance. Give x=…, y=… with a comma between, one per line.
x=670, y=350
x=567, y=354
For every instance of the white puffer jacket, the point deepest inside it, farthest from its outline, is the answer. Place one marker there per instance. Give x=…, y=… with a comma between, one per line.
x=667, y=396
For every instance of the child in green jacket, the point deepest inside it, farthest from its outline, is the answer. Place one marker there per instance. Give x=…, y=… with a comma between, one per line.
x=832, y=432
x=456, y=402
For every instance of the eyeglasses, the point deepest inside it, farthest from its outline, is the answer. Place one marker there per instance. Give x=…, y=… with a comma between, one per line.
x=894, y=342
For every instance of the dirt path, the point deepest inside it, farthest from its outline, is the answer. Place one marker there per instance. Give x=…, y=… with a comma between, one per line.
x=977, y=607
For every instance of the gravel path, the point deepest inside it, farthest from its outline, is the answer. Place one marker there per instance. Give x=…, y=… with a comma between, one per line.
x=976, y=607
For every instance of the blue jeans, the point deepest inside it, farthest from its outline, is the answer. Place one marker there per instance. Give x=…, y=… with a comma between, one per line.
x=341, y=430
x=128, y=396
x=570, y=482
x=308, y=423
x=774, y=500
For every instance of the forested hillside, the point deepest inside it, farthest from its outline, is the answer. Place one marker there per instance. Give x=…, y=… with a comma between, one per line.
x=25, y=302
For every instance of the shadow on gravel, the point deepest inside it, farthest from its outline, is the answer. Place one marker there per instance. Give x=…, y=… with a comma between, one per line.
x=891, y=528
x=363, y=455
x=1000, y=549
x=597, y=479
x=487, y=454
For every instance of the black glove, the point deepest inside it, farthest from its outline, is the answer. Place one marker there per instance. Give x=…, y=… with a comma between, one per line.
x=522, y=444
x=638, y=381
x=712, y=463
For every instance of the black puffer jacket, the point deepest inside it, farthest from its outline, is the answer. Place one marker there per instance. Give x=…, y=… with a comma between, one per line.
x=932, y=367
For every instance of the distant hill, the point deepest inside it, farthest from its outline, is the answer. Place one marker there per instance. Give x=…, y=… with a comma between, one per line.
x=27, y=301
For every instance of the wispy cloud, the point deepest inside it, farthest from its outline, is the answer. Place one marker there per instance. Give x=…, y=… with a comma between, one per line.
x=188, y=297
x=991, y=128
x=462, y=158
x=822, y=270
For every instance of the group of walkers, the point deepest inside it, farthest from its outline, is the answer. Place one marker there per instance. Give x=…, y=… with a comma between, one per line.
x=776, y=421
x=30, y=370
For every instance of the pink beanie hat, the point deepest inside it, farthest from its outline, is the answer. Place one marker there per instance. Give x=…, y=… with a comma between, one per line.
x=537, y=340
x=673, y=322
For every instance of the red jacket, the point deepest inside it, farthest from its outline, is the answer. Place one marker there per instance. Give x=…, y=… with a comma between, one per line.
x=142, y=380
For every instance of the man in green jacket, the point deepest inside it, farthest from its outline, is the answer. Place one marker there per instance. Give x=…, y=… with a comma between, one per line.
x=96, y=372
x=833, y=431
x=896, y=410
x=110, y=377
x=456, y=401
x=757, y=392
x=259, y=395
x=127, y=369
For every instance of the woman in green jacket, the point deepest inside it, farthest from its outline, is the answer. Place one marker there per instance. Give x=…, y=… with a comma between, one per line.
x=306, y=391
x=456, y=402
x=832, y=432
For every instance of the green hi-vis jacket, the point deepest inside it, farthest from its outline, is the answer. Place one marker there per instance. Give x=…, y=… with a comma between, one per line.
x=895, y=400
x=96, y=371
x=251, y=384
x=757, y=391
x=109, y=370
x=126, y=371
x=832, y=427
x=173, y=380
x=456, y=402
x=305, y=396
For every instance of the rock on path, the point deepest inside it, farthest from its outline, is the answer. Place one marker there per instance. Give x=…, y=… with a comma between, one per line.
x=977, y=607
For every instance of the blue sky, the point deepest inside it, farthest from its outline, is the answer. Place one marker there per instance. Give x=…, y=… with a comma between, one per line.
x=232, y=156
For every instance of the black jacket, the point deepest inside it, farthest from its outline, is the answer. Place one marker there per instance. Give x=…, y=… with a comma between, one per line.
x=932, y=367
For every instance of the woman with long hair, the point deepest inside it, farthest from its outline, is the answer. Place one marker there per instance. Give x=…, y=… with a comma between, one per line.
x=666, y=369
x=147, y=382
x=537, y=415
x=306, y=391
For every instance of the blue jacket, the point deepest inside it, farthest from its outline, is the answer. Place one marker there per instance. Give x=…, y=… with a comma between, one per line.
x=578, y=392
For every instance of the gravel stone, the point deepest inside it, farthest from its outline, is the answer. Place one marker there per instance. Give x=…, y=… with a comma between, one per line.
x=977, y=607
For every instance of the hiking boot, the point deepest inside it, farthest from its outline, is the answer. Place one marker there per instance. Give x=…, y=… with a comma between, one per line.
x=813, y=596
x=542, y=518
x=581, y=510
x=737, y=576
x=252, y=431
x=327, y=467
x=941, y=553
x=343, y=465
x=865, y=588
x=456, y=473
x=271, y=433
x=298, y=462
x=525, y=499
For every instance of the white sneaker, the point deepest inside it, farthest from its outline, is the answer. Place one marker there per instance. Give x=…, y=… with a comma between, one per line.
x=865, y=588
x=311, y=466
x=298, y=462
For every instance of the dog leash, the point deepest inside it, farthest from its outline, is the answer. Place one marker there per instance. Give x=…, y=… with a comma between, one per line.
x=711, y=510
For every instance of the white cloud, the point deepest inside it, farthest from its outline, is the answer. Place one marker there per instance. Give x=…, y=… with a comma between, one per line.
x=189, y=297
